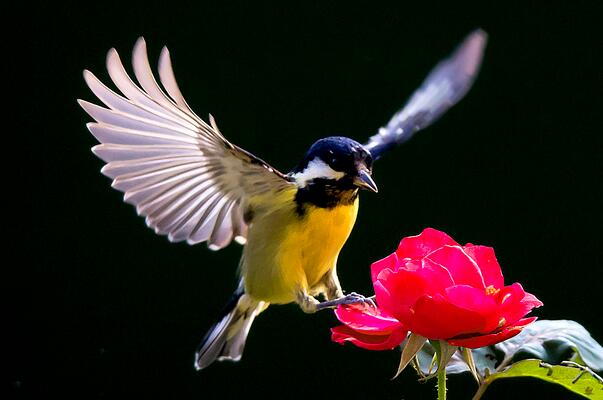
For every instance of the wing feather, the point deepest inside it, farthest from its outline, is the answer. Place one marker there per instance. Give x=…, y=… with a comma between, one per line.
x=117, y=102
x=222, y=232
x=180, y=227
x=119, y=135
x=207, y=214
x=115, y=152
x=187, y=180
x=175, y=210
x=134, y=122
x=116, y=168
x=144, y=75
x=445, y=85
x=166, y=74
x=187, y=227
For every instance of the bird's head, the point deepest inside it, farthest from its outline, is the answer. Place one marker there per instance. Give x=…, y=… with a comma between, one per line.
x=336, y=162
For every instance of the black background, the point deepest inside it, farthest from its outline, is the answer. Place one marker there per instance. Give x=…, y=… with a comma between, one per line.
x=103, y=307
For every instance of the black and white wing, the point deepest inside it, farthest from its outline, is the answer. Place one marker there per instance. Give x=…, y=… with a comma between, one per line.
x=180, y=173
x=447, y=83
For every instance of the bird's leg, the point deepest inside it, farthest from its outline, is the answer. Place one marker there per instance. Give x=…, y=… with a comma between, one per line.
x=334, y=293
x=332, y=286
x=306, y=302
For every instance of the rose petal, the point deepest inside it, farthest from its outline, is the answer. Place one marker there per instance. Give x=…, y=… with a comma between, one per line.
x=397, y=291
x=389, y=304
x=389, y=262
x=440, y=276
x=436, y=318
x=383, y=297
x=463, y=268
x=487, y=340
x=515, y=303
x=531, y=301
x=488, y=264
x=427, y=241
x=342, y=334
x=404, y=287
x=475, y=300
x=366, y=319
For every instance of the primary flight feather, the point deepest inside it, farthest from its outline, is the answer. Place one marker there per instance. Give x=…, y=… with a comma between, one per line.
x=191, y=184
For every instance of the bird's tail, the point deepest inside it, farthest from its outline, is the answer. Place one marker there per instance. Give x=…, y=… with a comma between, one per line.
x=226, y=338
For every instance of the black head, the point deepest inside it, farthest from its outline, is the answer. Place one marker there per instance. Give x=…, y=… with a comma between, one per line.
x=336, y=161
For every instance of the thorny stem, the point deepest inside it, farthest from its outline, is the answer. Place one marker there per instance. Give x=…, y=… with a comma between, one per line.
x=441, y=375
x=483, y=385
x=504, y=364
x=480, y=391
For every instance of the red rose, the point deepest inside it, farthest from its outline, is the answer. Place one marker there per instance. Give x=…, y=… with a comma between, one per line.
x=440, y=290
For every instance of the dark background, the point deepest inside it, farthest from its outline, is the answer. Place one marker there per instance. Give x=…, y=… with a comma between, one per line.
x=103, y=307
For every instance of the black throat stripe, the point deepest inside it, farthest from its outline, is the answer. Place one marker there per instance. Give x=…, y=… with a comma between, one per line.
x=324, y=195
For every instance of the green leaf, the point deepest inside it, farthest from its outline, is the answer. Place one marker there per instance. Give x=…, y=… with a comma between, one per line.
x=554, y=341
x=578, y=380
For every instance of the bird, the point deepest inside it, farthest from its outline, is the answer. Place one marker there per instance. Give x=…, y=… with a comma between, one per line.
x=192, y=184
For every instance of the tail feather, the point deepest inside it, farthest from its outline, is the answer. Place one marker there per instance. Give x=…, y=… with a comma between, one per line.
x=225, y=340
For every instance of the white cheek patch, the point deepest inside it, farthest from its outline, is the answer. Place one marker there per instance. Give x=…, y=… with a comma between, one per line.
x=316, y=169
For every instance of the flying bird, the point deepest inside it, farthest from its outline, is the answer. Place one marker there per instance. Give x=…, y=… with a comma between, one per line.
x=192, y=184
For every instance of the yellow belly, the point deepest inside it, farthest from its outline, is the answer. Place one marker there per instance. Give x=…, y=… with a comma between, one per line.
x=286, y=253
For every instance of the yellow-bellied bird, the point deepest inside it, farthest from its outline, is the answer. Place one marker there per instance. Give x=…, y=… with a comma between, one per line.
x=192, y=184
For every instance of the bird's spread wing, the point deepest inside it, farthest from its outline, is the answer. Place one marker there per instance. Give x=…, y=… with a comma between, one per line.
x=447, y=83
x=181, y=173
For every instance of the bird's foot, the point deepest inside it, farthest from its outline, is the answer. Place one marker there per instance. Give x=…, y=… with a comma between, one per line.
x=351, y=298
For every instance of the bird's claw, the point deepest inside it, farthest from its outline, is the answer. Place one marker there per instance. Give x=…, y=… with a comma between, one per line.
x=350, y=298
x=355, y=298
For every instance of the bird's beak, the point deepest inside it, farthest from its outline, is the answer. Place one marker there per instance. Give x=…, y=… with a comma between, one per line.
x=364, y=181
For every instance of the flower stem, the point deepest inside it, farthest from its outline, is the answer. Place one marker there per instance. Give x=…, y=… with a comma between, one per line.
x=480, y=390
x=442, y=383
x=441, y=380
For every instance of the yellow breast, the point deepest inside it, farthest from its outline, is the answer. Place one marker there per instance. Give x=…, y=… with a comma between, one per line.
x=286, y=252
